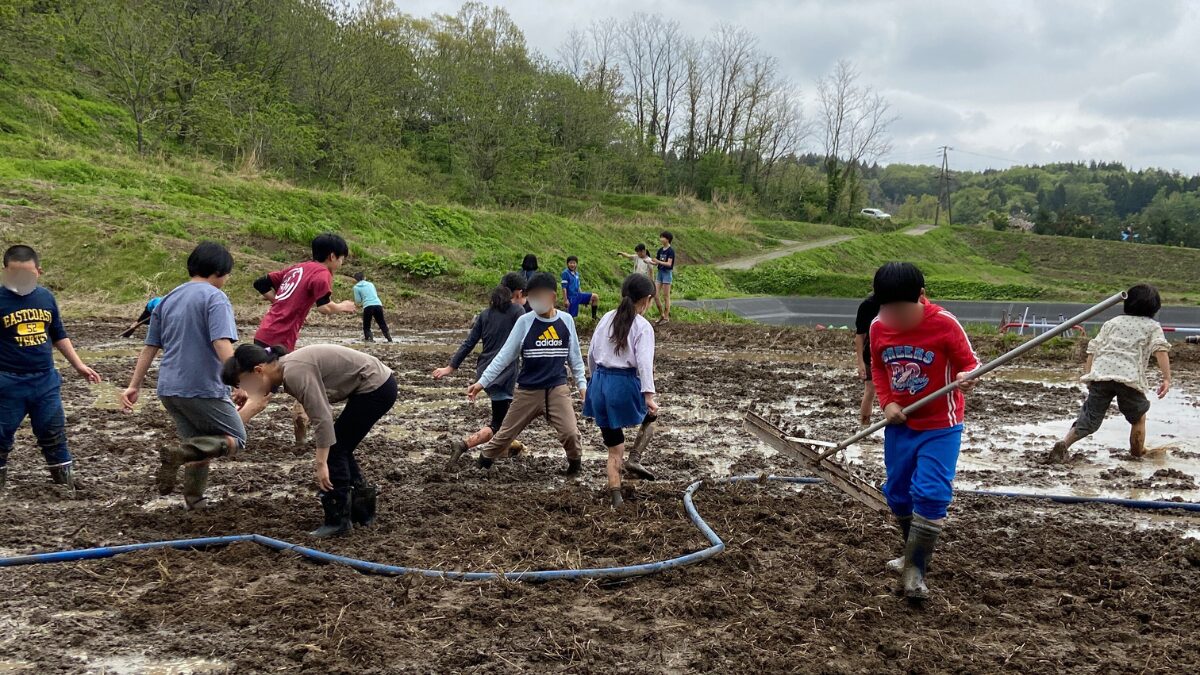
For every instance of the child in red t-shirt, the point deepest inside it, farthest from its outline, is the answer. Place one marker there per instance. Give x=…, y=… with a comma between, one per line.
x=917, y=348
x=293, y=292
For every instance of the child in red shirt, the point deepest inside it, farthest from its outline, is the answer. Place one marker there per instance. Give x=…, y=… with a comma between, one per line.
x=917, y=348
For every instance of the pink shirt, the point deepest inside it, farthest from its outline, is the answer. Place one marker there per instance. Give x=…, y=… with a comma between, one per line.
x=638, y=352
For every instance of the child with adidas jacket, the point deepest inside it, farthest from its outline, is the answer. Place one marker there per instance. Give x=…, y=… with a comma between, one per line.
x=546, y=342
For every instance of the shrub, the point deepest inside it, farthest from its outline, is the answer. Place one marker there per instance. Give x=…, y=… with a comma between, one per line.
x=423, y=265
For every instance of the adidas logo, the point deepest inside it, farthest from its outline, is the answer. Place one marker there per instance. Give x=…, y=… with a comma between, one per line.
x=549, y=338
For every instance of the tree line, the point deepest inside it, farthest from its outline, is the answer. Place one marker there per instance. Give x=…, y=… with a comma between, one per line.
x=458, y=107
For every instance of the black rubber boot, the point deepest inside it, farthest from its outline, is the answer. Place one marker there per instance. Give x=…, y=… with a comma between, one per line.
x=3, y=476
x=922, y=538
x=573, y=467
x=195, y=482
x=63, y=475
x=362, y=504
x=615, y=498
x=905, y=523
x=336, y=504
x=485, y=462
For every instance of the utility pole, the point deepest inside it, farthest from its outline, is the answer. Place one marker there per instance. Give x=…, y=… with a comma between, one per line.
x=943, y=188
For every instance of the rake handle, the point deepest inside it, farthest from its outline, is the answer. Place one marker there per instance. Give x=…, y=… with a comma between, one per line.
x=984, y=369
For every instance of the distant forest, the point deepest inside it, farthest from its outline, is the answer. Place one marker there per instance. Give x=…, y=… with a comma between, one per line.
x=459, y=108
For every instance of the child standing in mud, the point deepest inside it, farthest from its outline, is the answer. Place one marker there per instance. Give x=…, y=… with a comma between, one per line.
x=319, y=376
x=293, y=292
x=664, y=261
x=1116, y=368
x=546, y=342
x=195, y=330
x=573, y=297
x=31, y=328
x=493, y=326
x=367, y=297
x=916, y=348
x=621, y=392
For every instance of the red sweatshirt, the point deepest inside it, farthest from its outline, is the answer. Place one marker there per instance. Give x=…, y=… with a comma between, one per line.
x=907, y=365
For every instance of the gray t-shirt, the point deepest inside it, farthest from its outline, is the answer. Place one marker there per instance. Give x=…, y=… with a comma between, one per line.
x=186, y=323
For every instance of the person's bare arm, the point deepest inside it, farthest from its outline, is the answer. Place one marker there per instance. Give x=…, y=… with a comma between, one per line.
x=1164, y=365
x=343, y=307
x=858, y=350
x=130, y=396
x=67, y=349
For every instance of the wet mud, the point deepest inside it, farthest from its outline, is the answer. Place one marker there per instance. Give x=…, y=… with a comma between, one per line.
x=1018, y=585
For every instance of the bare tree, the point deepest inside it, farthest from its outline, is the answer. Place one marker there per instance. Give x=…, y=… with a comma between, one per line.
x=855, y=121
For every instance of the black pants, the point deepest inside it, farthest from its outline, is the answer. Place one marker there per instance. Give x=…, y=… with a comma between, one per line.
x=361, y=413
x=375, y=312
x=499, y=410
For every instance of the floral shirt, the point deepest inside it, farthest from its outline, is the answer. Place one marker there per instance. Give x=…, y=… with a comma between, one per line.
x=1123, y=348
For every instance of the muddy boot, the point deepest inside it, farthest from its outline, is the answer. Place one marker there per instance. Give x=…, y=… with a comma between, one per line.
x=362, y=504
x=633, y=465
x=299, y=429
x=63, y=475
x=3, y=476
x=336, y=504
x=922, y=538
x=905, y=523
x=196, y=449
x=457, y=448
x=573, y=468
x=1058, y=455
x=485, y=463
x=195, y=482
x=369, y=338
x=615, y=498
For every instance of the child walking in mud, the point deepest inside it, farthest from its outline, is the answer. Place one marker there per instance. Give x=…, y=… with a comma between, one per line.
x=320, y=376
x=493, y=326
x=194, y=328
x=293, y=292
x=621, y=392
x=1116, y=368
x=30, y=386
x=916, y=348
x=546, y=342
x=367, y=297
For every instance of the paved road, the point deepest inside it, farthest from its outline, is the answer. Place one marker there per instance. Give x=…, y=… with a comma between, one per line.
x=788, y=248
x=788, y=311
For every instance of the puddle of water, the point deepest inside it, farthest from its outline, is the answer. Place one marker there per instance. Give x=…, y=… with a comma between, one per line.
x=138, y=664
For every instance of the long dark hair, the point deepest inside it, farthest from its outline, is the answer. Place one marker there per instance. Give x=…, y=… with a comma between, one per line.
x=529, y=264
x=634, y=289
x=246, y=358
x=501, y=299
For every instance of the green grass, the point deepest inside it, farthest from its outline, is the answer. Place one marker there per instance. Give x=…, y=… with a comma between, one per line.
x=970, y=264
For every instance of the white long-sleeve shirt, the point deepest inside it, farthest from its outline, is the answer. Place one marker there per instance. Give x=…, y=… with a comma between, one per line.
x=638, y=352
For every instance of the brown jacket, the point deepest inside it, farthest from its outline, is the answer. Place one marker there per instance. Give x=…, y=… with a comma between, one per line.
x=321, y=375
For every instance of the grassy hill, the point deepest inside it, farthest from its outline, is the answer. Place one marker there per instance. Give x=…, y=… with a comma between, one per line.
x=113, y=226
x=974, y=264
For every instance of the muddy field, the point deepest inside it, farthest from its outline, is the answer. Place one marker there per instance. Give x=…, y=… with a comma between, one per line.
x=1018, y=585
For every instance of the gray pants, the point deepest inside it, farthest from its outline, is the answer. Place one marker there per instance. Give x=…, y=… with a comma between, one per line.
x=205, y=417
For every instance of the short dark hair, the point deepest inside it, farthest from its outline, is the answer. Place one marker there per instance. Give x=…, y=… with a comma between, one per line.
x=529, y=264
x=1142, y=300
x=325, y=245
x=359, y=276
x=209, y=259
x=898, y=282
x=21, y=253
x=666, y=234
x=542, y=282
x=572, y=258
x=639, y=247
x=513, y=281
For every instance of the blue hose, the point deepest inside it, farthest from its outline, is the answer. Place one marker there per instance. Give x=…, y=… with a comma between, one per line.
x=715, y=547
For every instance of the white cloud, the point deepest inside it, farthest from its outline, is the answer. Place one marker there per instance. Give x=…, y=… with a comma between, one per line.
x=1027, y=80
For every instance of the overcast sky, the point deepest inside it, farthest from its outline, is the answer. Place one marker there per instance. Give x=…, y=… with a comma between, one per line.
x=1018, y=80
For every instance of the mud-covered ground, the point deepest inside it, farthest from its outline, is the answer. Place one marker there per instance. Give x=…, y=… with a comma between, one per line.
x=1019, y=585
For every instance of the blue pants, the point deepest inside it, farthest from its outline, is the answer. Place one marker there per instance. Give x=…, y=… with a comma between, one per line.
x=575, y=300
x=37, y=396
x=920, y=469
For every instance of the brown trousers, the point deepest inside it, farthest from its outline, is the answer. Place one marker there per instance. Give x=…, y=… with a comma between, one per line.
x=527, y=405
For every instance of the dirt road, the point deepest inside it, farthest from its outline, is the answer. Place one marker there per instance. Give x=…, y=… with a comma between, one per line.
x=787, y=248
x=1023, y=586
